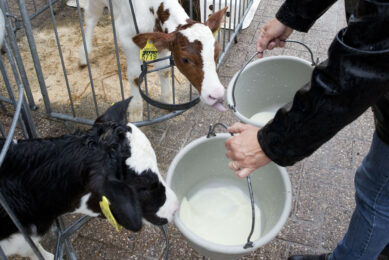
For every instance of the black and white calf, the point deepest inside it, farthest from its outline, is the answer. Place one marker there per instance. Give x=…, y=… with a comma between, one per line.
x=45, y=178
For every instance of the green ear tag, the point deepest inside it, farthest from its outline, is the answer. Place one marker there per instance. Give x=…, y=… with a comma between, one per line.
x=149, y=52
x=104, y=205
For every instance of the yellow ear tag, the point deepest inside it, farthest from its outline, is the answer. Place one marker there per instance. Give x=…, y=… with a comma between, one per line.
x=104, y=205
x=215, y=32
x=149, y=52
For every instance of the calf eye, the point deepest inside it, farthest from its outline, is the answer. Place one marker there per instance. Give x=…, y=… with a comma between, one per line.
x=185, y=60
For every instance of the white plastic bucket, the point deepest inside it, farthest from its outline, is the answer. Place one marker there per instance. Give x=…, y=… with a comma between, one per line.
x=204, y=160
x=266, y=85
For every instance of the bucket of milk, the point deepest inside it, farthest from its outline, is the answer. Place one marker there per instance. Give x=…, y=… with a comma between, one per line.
x=215, y=213
x=260, y=88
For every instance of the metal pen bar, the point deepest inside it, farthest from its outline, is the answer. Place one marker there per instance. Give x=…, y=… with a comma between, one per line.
x=205, y=11
x=159, y=119
x=116, y=49
x=71, y=118
x=240, y=5
x=25, y=121
x=70, y=252
x=147, y=92
x=63, y=235
x=6, y=100
x=224, y=28
x=16, y=53
x=133, y=16
x=235, y=15
x=11, y=131
x=229, y=22
x=11, y=98
x=2, y=131
x=42, y=10
x=33, y=49
x=75, y=226
x=173, y=85
x=4, y=150
x=191, y=9
x=2, y=255
x=236, y=32
x=34, y=3
x=61, y=57
x=86, y=56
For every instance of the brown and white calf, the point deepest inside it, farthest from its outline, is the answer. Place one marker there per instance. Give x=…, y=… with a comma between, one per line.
x=166, y=23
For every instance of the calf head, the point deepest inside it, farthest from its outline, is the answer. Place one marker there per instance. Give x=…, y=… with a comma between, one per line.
x=128, y=176
x=195, y=53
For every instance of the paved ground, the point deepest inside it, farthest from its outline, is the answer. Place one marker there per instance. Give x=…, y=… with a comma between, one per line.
x=323, y=191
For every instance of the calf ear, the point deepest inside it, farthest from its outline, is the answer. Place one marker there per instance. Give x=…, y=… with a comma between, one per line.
x=161, y=41
x=116, y=113
x=215, y=20
x=124, y=204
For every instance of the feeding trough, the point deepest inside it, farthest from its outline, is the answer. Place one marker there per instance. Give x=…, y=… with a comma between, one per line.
x=260, y=88
x=201, y=168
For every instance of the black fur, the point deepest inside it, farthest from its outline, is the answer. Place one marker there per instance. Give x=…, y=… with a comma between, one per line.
x=44, y=178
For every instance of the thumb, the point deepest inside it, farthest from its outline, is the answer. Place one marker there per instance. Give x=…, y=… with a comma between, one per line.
x=236, y=128
x=244, y=172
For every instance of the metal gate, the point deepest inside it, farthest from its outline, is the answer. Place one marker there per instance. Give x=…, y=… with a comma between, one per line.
x=79, y=95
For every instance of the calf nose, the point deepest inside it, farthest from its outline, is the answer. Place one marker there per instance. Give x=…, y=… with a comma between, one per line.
x=217, y=99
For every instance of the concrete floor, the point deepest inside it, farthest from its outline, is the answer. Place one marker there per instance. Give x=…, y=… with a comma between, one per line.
x=323, y=191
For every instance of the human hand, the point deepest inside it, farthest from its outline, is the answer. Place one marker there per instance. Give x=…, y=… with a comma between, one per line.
x=244, y=150
x=272, y=35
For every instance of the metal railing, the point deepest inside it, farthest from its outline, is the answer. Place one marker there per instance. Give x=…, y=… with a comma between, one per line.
x=71, y=111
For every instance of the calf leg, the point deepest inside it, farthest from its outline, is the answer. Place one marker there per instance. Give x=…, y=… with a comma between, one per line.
x=136, y=104
x=125, y=33
x=164, y=76
x=133, y=72
x=93, y=12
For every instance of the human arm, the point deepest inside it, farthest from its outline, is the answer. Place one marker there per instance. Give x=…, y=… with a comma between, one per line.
x=355, y=77
x=292, y=15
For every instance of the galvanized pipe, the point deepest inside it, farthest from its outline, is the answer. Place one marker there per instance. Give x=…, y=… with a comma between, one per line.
x=34, y=54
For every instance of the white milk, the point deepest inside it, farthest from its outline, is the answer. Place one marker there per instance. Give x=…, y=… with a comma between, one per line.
x=221, y=215
x=266, y=115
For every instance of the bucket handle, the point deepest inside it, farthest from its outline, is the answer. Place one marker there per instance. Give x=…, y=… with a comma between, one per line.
x=314, y=63
x=249, y=243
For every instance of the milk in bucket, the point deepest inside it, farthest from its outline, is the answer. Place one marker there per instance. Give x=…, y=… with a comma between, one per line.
x=220, y=213
x=267, y=114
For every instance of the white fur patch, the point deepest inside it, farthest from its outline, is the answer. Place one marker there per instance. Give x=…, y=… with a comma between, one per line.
x=17, y=245
x=177, y=15
x=142, y=153
x=143, y=158
x=211, y=84
x=83, y=209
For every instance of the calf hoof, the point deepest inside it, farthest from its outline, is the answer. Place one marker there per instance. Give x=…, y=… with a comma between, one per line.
x=82, y=58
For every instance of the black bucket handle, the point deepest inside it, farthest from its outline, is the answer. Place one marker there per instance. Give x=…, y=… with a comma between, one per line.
x=314, y=63
x=249, y=243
